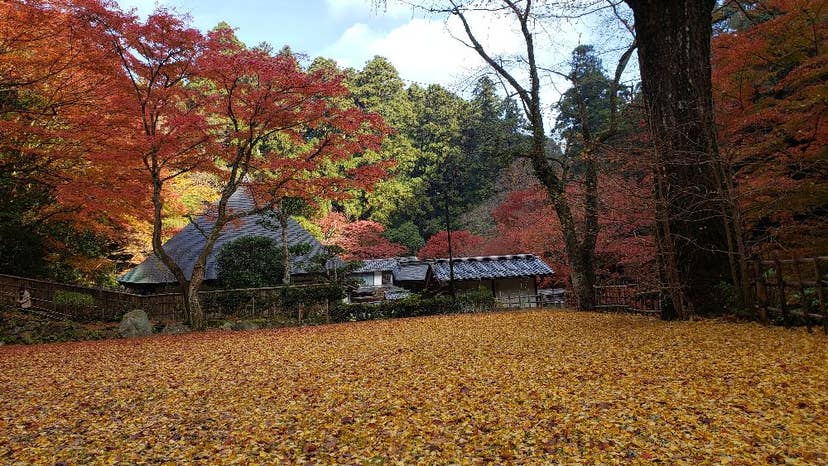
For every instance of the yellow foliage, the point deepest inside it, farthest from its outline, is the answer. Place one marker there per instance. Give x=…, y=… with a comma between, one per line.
x=535, y=387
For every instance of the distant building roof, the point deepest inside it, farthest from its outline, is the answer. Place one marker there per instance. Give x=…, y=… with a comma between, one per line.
x=187, y=244
x=378, y=265
x=405, y=269
x=413, y=271
x=488, y=267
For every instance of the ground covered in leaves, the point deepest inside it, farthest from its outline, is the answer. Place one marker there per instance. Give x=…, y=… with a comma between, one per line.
x=523, y=387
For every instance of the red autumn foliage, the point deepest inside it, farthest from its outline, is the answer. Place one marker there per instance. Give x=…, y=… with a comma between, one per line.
x=360, y=240
x=769, y=90
x=284, y=123
x=463, y=243
x=55, y=81
x=625, y=250
x=175, y=102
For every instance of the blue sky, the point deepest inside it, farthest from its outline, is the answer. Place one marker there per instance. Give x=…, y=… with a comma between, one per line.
x=422, y=48
x=308, y=25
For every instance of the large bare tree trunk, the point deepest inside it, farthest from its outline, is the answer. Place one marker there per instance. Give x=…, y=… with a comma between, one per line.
x=674, y=58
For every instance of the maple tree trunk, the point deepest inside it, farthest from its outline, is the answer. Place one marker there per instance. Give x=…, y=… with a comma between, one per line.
x=674, y=58
x=283, y=224
x=583, y=285
x=192, y=306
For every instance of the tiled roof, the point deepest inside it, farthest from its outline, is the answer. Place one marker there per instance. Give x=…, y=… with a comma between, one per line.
x=185, y=246
x=378, y=265
x=406, y=269
x=411, y=271
x=487, y=267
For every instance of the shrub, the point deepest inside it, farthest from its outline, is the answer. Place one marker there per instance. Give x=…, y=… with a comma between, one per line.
x=411, y=306
x=282, y=299
x=79, y=305
x=480, y=299
x=250, y=262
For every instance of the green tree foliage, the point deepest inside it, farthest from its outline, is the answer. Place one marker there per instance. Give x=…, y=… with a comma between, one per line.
x=443, y=145
x=250, y=262
x=585, y=107
x=406, y=234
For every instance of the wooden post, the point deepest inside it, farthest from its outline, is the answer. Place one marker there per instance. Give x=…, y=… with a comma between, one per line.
x=780, y=283
x=761, y=291
x=802, y=301
x=821, y=294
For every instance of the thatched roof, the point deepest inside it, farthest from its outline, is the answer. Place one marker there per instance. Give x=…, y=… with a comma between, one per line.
x=187, y=244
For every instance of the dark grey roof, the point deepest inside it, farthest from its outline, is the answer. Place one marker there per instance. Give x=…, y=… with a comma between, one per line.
x=412, y=272
x=187, y=244
x=405, y=269
x=378, y=265
x=487, y=267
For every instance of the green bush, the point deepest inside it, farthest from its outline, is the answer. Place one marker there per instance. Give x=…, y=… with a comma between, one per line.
x=480, y=299
x=73, y=299
x=79, y=305
x=282, y=299
x=412, y=306
x=250, y=262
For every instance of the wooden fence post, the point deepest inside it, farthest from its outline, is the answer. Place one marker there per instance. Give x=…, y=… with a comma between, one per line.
x=802, y=301
x=780, y=283
x=821, y=294
x=761, y=291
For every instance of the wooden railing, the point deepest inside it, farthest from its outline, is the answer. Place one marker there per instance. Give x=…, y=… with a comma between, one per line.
x=790, y=289
x=110, y=305
x=627, y=298
x=520, y=301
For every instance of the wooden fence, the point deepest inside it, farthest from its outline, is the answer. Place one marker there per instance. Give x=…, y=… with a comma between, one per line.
x=781, y=289
x=791, y=289
x=627, y=298
x=519, y=301
x=110, y=305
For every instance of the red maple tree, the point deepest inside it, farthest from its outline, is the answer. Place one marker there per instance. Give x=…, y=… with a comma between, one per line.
x=54, y=82
x=625, y=249
x=254, y=120
x=769, y=90
x=463, y=243
x=359, y=240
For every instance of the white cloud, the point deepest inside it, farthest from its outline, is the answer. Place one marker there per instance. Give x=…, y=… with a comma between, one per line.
x=420, y=50
x=426, y=50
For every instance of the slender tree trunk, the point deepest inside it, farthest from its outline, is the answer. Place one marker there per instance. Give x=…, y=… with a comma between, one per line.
x=675, y=305
x=283, y=224
x=192, y=304
x=674, y=58
x=579, y=256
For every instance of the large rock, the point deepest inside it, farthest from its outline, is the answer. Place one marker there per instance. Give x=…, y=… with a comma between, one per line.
x=135, y=324
x=245, y=325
